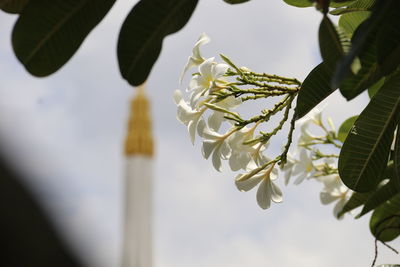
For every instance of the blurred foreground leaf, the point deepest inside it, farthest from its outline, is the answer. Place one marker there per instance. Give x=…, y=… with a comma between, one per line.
x=299, y=3
x=13, y=6
x=49, y=32
x=233, y=2
x=143, y=32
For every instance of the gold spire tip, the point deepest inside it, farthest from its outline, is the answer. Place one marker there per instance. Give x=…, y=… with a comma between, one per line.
x=139, y=140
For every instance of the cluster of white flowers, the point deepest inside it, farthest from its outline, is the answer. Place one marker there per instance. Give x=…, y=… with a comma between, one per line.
x=204, y=100
x=322, y=167
x=211, y=99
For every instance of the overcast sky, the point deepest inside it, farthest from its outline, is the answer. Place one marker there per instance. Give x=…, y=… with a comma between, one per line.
x=66, y=131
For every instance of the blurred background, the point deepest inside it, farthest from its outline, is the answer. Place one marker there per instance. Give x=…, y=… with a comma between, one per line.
x=65, y=135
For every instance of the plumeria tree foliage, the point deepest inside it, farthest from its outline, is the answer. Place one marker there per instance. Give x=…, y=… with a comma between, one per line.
x=358, y=164
x=360, y=53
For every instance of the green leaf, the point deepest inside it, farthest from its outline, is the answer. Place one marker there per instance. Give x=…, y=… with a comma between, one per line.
x=299, y=3
x=367, y=75
x=375, y=87
x=388, y=40
x=345, y=128
x=396, y=177
x=341, y=3
x=48, y=32
x=317, y=85
x=143, y=31
x=359, y=5
x=315, y=88
x=385, y=220
x=355, y=201
x=350, y=21
x=233, y=2
x=364, y=155
x=364, y=47
x=329, y=43
x=380, y=196
x=372, y=199
x=13, y=6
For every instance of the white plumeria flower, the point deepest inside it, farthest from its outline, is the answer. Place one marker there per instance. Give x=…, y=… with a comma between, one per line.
x=188, y=116
x=331, y=124
x=229, y=103
x=241, y=154
x=304, y=167
x=305, y=136
x=215, y=144
x=288, y=168
x=267, y=189
x=195, y=59
x=216, y=118
x=334, y=190
x=209, y=79
x=314, y=116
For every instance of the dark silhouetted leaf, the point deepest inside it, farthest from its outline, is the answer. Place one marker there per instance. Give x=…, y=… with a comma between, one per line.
x=396, y=177
x=367, y=74
x=350, y=21
x=299, y=3
x=364, y=47
x=355, y=6
x=13, y=6
x=379, y=197
x=341, y=3
x=233, y=2
x=315, y=88
x=375, y=87
x=48, y=33
x=364, y=155
x=385, y=220
x=317, y=85
x=330, y=44
x=143, y=31
x=345, y=128
x=388, y=40
x=355, y=201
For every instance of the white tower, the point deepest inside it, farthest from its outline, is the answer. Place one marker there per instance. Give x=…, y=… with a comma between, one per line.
x=137, y=239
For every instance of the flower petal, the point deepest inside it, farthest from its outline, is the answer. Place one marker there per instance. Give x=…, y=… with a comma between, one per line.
x=300, y=178
x=177, y=96
x=195, y=59
x=207, y=148
x=191, y=62
x=225, y=150
x=219, y=70
x=216, y=158
x=203, y=39
x=200, y=127
x=239, y=161
x=192, y=130
x=247, y=184
x=205, y=69
x=215, y=120
x=327, y=198
x=276, y=193
x=264, y=194
x=210, y=134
